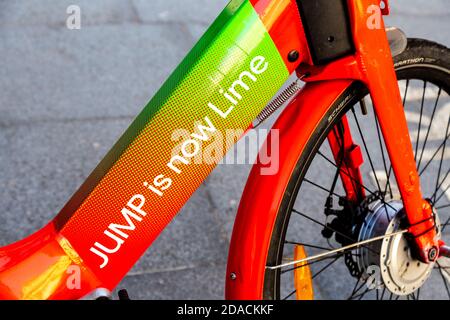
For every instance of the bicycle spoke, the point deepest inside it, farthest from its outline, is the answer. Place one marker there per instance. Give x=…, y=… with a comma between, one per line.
x=323, y=225
x=322, y=187
x=341, y=162
x=356, y=288
x=437, y=151
x=444, y=280
x=289, y=295
x=308, y=264
x=357, y=182
x=420, y=120
x=388, y=179
x=361, y=295
x=367, y=150
x=429, y=127
x=383, y=156
x=383, y=292
x=340, y=139
x=442, y=207
x=440, y=163
x=326, y=267
x=442, y=194
x=306, y=245
x=445, y=225
x=337, y=250
x=433, y=196
x=406, y=92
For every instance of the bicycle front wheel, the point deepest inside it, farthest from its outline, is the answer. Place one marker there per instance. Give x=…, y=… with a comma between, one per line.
x=353, y=249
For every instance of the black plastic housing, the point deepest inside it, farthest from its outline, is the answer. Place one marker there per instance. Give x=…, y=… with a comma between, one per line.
x=327, y=27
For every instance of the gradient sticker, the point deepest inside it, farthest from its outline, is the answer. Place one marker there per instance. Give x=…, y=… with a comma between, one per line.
x=223, y=83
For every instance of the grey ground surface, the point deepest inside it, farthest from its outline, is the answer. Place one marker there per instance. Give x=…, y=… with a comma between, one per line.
x=67, y=95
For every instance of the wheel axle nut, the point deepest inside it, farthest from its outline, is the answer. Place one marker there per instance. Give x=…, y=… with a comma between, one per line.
x=432, y=254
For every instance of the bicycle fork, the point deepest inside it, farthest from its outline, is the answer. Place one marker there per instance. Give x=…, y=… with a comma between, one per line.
x=372, y=64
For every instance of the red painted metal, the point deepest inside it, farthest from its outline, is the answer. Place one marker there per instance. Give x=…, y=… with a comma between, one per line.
x=373, y=56
x=43, y=266
x=47, y=253
x=386, y=10
x=54, y=255
x=255, y=219
x=282, y=20
x=444, y=251
x=372, y=64
x=345, y=150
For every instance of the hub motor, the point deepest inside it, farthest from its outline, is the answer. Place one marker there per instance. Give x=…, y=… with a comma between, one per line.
x=401, y=272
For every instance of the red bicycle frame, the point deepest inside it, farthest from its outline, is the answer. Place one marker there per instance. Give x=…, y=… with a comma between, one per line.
x=246, y=55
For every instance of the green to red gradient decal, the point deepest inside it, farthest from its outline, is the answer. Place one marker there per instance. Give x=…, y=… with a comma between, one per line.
x=223, y=83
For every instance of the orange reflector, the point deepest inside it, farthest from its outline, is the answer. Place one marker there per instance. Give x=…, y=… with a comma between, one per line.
x=302, y=276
